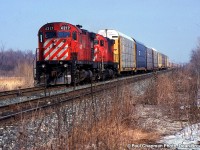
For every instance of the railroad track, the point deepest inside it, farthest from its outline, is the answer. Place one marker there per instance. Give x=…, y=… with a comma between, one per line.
x=14, y=93
x=26, y=92
x=68, y=94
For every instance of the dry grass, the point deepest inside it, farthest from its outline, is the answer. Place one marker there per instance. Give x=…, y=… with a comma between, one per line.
x=109, y=121
x=169, y=92
x=110, y=136
x=176, y=93
x=10, y=83
x=114, y=128
x=20, y=77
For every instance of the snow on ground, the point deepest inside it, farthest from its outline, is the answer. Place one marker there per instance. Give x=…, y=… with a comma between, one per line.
x=188, y=138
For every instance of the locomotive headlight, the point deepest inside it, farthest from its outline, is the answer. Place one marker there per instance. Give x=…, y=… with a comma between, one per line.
x=65, y=65
x=43, y=65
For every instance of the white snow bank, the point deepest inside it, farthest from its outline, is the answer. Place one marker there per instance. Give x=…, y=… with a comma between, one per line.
x=188, y=138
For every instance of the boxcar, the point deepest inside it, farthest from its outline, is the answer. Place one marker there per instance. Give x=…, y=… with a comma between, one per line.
x=141, y=56
x=149, y=59
x=124, y=49
x=159, y=60
x=163, y=61
x=155, y=59
x=167, y=61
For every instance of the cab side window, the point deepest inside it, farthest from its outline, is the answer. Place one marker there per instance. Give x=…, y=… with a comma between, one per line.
x=74, y=35
x=101, y=43
x=40, y=37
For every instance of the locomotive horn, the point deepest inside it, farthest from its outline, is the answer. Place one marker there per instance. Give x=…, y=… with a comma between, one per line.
x=79, y=26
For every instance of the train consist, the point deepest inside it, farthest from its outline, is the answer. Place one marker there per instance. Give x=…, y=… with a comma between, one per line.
x=68, y=54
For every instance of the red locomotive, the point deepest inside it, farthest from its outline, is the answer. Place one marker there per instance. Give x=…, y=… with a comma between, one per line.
x=103, y=57
x=68, y=54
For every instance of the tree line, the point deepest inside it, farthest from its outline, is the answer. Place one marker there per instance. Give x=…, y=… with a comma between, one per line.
x=195, y=67
x=19, y=63
x=16, y=62
x=195, y=58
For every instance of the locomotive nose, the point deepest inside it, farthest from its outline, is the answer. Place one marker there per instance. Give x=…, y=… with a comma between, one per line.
x=56, y=49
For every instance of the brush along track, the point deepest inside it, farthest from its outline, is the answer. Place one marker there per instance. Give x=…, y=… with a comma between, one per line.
x=16, y=109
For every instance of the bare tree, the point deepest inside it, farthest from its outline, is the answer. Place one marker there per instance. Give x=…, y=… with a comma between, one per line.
x=195, y=62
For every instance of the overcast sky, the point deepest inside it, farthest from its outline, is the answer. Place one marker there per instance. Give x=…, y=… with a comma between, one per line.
x=170, y=26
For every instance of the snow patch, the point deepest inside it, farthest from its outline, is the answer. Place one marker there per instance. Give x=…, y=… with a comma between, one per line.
x=187, y=138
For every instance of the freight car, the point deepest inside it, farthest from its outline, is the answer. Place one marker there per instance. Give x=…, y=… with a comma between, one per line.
x=141, y=56
x=68, y=54
x=150, y=64
x=155, y=59
x=132, y=55
x=124, y=50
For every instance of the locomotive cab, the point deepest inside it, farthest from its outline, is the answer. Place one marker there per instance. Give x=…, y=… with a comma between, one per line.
x=57, y=48
x=64, y=54
x=103, y=57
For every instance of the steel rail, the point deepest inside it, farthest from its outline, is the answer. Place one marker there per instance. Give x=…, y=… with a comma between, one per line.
x=16, y=109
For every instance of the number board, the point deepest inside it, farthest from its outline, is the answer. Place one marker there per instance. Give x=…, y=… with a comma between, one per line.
x=65, y=27
x=48, y=28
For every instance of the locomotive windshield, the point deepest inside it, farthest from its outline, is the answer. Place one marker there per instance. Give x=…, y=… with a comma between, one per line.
x=50, y=35
x=96, y=42
x=63, y=34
